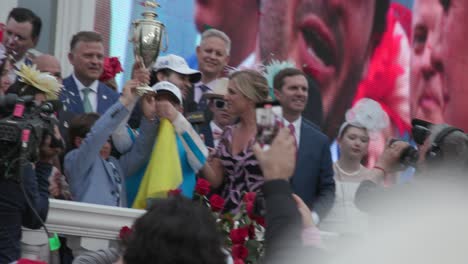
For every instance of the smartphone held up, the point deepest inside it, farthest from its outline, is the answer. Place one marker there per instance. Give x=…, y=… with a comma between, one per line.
x=269, y=120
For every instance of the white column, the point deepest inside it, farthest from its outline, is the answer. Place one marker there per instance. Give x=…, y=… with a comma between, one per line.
x=72, y=17
x=86, y=227
x=6, y=6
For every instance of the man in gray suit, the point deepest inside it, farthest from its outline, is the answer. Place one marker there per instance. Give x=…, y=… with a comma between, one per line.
x=94, y=175
x=313, y=177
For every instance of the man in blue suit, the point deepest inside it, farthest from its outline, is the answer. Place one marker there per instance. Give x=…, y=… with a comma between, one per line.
x=82, y=91
x=313, y=176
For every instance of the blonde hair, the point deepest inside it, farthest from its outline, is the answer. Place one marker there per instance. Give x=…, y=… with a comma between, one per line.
x=252, y=84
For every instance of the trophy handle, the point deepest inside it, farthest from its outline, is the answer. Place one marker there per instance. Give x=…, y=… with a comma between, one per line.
x=166, y=38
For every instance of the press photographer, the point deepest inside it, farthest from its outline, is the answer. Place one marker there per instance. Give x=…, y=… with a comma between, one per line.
x=442, y=160
x=29, y=141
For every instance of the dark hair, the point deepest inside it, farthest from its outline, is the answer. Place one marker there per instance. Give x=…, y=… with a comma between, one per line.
x=278, y=81
x=449, y=145
x=85, y=36
x=80, y=126
x=175, y=230
x=346, y=128
x=380, y=21
x=154, y=75
x=22, y=15
x=22, y=89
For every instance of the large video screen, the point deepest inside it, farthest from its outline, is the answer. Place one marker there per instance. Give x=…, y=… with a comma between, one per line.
x=409, y=56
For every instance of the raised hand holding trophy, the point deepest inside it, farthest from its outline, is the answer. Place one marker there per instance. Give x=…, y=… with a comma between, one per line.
x=147, y=39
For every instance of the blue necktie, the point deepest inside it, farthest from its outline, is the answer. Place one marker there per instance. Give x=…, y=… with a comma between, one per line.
x=202, y=104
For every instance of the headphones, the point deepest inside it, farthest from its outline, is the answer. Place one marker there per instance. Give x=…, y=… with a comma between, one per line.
x=435, y=153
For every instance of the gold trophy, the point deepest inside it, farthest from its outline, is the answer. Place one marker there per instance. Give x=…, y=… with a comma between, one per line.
x=147, y=39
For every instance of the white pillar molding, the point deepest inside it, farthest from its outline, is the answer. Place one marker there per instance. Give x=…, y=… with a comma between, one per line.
x=72, y=16
x=6, y=6
x=86, y=227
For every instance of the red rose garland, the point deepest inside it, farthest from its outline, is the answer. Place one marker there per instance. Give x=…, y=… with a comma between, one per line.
x=239, y=229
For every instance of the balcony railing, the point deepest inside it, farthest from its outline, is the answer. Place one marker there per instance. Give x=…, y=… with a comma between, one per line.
x=86, y=227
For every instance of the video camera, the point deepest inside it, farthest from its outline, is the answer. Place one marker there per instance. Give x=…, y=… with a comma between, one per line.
x=420, y=131
x=23, y=130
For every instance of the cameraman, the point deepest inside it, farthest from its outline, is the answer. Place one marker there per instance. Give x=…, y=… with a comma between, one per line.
x=442, y=164
x=24, y=198
x=14, y=209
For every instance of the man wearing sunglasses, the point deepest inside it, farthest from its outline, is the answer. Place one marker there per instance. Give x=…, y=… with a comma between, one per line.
x=221, y=118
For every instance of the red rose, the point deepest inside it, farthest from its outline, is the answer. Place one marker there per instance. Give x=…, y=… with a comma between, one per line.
x=250, y=197
x=238, y=261
x=239, y=235
x=260, y=220
x=202, y=187
x=175, y=192
x=115, y=64
x=217, y=203
x=251, y=231
x=111, y=67
x=125, y=232
x=249, y=206
x=239, y=252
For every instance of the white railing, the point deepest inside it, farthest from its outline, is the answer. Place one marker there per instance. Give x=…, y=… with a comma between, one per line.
x=86, y=227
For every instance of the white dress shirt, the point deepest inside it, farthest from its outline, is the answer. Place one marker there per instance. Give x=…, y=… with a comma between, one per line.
x=93, y=99
x=297, y=128
x=215, y=128
x=198, y=91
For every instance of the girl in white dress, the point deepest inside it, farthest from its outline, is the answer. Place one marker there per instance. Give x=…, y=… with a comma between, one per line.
x=345, y=220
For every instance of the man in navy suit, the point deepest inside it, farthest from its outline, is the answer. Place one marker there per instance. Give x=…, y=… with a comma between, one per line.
x=82, y=91
x=313, y=176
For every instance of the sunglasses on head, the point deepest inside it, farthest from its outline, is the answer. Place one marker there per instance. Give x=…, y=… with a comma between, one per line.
x=219, y=103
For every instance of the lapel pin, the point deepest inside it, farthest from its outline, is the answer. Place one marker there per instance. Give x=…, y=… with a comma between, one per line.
x=65, y=124
x=104, y=97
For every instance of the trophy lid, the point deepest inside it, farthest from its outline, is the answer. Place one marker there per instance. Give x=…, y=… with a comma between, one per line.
x=149, y=5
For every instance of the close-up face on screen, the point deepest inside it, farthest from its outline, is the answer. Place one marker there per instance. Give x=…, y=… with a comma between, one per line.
x=408, y=55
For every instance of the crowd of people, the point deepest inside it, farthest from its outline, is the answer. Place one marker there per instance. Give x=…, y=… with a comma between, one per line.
x=108, y=133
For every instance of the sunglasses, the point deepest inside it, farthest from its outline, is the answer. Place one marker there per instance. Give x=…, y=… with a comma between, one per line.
x=219, y=103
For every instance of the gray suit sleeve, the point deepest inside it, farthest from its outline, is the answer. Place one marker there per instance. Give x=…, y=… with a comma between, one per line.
x=79, y=161
x=140, y=152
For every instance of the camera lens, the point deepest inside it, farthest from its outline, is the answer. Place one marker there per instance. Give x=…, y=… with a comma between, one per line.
x=219, y=103
x=409, y=157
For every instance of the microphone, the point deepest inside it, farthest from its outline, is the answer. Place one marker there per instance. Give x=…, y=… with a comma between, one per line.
x=196, y=119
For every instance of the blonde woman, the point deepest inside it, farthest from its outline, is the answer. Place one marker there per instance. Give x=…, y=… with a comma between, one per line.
x=232, y=167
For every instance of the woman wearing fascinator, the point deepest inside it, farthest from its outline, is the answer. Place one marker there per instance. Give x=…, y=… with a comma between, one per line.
x=362, y=121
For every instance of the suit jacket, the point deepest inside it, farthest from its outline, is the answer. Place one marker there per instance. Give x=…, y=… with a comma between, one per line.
x=91, y=178
x=71, y=99
x=313, y=177
x=208, y=134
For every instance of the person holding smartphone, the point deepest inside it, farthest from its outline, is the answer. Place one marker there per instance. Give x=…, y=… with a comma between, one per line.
x=233, y=166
